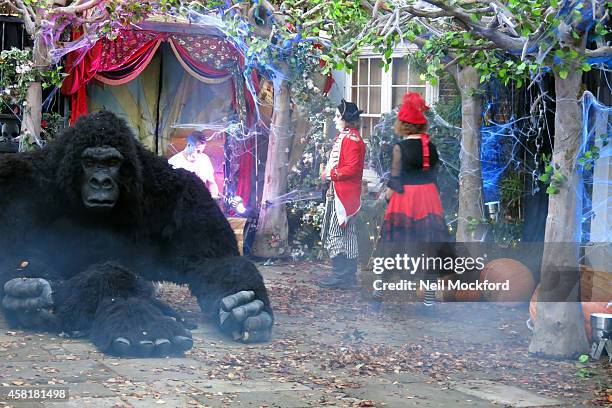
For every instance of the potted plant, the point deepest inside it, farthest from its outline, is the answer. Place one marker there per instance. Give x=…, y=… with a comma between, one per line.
x=17, y=72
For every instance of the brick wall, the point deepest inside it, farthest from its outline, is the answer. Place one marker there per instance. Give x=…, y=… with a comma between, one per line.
x=447, y=88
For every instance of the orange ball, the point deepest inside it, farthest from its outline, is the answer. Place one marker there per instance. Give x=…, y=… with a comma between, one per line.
x=519, y=277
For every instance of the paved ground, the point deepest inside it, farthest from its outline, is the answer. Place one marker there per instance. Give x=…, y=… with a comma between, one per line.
x=329, y=350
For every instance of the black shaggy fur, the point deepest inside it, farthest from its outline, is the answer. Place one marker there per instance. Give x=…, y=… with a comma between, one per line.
x=165, y=226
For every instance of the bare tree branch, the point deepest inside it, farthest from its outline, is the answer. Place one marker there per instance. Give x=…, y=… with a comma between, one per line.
x=76, y=8
x=503, y=40
x=451, y=63
x=313, y=10
x=451, y=11
x=600, y=52
x=367, y=5
x=28, y=18
x=426, y=14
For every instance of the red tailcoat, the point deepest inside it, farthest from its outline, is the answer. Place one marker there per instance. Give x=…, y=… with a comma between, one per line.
x=347, y=175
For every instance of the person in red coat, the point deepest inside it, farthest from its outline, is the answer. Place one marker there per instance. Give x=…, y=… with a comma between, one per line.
x=344, y=171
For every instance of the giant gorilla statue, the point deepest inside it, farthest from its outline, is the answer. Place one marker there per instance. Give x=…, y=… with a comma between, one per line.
x=90, y=220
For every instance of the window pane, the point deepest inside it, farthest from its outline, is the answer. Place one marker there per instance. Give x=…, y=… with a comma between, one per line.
x=363, y=72
x=398, y=94
x=374, y=100
x=354, y=77
x=365, y=127
x=415, y=77
x=354, y=94
x=420, y=90
x=400, y=71
x=375, y=71
x=363, y=99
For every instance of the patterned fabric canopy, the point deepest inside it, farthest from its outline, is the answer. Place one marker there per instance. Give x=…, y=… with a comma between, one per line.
x=208, y=59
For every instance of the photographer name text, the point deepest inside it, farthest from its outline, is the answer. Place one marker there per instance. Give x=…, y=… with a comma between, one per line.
x=440, y=284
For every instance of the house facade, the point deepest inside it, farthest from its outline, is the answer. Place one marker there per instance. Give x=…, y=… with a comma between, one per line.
x=377, y=91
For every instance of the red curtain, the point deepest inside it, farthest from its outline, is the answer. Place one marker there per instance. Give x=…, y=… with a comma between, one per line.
x=246, y=172
x=113, y=62
x=209, y=59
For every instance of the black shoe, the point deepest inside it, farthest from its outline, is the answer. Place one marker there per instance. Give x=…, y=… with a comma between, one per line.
x=350, y=266
x=337, y=282
x=342, y=276
x=376, y=300
x=338, y=264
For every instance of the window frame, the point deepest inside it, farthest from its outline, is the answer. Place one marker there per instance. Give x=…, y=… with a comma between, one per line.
x=386, y=82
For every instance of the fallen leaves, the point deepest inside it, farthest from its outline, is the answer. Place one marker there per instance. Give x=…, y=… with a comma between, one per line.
x=329, y=341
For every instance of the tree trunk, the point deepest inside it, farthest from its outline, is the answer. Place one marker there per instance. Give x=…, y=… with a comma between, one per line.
x=32, y=113
x=32, y=117
x=470, y=178
x=272, y=229
x=559, y=329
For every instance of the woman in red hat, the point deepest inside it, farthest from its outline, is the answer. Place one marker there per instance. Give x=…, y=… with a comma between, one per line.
x=414, y=220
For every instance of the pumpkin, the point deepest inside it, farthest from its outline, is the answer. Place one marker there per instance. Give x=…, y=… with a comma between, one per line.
x=468, y=295
x=587, y=309
x=520, y=280
x=446, y=295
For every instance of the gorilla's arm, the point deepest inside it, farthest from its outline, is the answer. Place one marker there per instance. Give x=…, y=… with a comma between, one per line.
x=206, y=257
x=26, y=278
x=232, y=291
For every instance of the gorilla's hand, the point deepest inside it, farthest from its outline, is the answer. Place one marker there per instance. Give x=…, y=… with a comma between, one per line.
x=245, y=318
x=30, y=302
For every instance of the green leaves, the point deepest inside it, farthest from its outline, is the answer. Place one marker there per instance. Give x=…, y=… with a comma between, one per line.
x=552, y=176
x=587, y=160
x=563, y=73
x=473, y=223
x=584, y=372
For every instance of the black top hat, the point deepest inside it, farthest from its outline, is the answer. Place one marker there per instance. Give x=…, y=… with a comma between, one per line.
x=349, y=111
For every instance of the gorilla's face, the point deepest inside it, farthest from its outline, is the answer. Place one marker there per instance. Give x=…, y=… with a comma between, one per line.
x=100, y=184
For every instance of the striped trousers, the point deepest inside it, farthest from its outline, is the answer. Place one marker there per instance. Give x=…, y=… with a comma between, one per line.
x=341, y=240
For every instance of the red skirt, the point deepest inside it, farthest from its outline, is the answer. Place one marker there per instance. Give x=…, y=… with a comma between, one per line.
x=416, y=215
x=414, y=225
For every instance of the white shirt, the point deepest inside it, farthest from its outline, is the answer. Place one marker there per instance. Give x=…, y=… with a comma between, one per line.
x=201, y=166
x=334, y=156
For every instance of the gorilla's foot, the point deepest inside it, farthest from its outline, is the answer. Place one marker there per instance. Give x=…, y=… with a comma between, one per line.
x=135, y=327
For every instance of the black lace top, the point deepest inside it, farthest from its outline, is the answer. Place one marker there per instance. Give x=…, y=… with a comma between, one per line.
x=407, y=165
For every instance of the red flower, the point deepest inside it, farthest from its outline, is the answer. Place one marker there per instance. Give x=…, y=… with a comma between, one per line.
x=44, y=123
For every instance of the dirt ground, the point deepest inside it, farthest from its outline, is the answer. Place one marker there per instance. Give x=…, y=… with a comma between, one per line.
x=329, y=349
